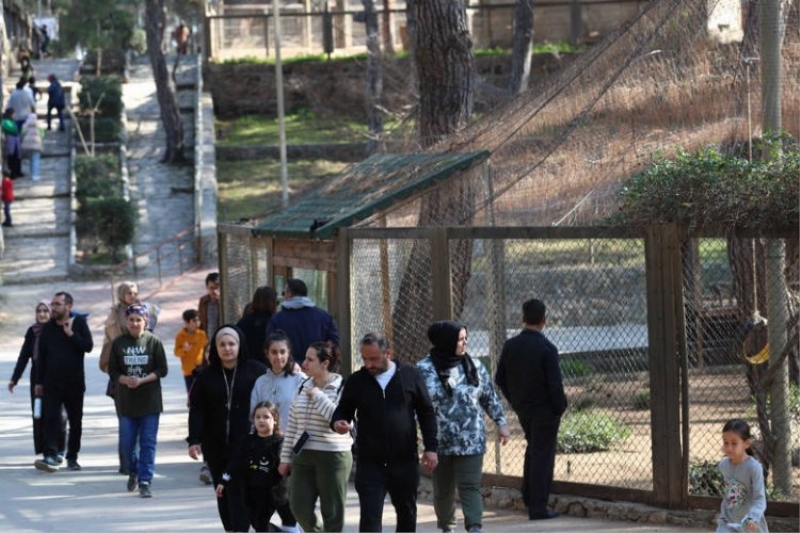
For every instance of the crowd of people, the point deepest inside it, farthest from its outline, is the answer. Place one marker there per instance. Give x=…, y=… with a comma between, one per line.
x=22, y=135
x=279, y=431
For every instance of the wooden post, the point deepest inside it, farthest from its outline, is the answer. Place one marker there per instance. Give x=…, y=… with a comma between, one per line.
x=343, y=282
x=663, y=267
x=441, y=283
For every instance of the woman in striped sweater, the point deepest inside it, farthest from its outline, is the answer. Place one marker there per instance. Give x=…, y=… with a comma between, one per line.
x=318, y=458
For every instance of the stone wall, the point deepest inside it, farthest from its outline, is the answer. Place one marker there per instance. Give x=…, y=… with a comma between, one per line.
x=338, y=87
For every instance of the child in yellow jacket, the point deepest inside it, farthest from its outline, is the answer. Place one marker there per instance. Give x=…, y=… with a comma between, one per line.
x=190, y=344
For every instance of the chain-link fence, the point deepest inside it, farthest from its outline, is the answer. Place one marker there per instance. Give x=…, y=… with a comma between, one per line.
x=732, y=372
x=247, y=31
x=652, y=371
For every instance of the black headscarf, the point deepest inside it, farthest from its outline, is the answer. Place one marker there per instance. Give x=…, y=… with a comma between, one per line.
x=444, y=337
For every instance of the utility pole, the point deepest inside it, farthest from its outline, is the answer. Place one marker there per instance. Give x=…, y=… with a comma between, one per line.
x=771, y=29
x=276, y=18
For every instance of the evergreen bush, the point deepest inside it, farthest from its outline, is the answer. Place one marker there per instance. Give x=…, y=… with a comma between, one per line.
x=114, y=220
x=589, y=431
x=107, y=87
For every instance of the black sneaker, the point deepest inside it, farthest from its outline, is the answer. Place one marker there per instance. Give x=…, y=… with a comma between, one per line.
x=48, y=464
x=144, y=490
x=72, y=464
x=133, y=481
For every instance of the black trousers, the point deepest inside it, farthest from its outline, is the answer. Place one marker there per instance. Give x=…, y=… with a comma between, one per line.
x=400, y=479
x=71, y=399
x=38, y=429
x=262, y=507
x=232, y=508
x=540, y=461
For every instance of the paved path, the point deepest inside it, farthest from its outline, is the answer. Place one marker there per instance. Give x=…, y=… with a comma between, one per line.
x=37, y=248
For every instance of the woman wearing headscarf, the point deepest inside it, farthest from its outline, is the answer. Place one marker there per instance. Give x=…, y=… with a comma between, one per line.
x=137, y=364
x=30, y=352
x=461, y=391
x=219, y=416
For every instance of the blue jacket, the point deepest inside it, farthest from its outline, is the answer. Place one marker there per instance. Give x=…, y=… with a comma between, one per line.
x=304, y=323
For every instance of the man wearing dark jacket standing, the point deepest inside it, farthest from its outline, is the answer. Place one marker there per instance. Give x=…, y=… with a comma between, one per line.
x=302, y=321
x=388, y=399
x=529, y=377
x=63, y=344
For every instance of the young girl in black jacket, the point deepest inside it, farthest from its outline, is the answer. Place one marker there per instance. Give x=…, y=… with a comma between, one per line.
x=256, y=465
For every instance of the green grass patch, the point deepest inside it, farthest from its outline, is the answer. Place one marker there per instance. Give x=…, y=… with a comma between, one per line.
x=251, y=188
x=303, y=127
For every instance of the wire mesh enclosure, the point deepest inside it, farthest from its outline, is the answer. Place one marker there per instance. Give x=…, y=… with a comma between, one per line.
x=652, y=371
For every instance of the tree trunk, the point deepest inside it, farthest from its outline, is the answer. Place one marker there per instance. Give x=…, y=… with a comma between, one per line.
x=170, y=114
x=749, y=287
x=521, y=47
x=388, y=45
x=445, y=64
x=374, y=78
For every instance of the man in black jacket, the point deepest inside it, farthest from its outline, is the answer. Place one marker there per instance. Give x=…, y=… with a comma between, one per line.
x=388, y=399
x=529, y=377
x=60, y=380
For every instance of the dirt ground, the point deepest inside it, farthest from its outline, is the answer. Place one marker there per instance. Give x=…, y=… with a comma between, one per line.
x=714, y=396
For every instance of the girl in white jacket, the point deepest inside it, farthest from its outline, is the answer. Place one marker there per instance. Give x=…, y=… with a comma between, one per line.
x=32, y=144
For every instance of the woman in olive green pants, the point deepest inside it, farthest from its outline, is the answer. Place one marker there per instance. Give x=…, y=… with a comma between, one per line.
x=318, y=458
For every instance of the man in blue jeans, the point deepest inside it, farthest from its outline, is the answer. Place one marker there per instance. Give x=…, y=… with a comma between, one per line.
x=388, y=398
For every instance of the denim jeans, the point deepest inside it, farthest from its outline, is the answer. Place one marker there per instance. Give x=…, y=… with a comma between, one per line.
x=35, y=158
x=143, y=429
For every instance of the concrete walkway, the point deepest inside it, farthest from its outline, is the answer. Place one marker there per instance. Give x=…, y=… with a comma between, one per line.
x=37, y=248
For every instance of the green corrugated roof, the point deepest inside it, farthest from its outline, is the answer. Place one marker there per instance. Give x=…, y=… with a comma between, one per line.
x=363, y=190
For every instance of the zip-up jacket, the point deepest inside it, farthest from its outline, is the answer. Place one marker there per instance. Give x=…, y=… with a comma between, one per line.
x=386, y=420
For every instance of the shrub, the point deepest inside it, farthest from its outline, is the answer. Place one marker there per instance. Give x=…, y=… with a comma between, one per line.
x=708, y=188
x=109, y=87
x=114, y=221
x=106, y=129
x=97, y=177
x=705, y=479
x=588, y=431
x=641, y=401
x=584, y=403
x=574, y=368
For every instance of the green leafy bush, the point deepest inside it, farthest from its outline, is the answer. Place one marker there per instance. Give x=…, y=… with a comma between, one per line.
x=574, y=368
x=705, y=479
x=114, y=221
x=97, y=177
x=589, y=431
x=106, y=129
x=709, y=188
x=109, y=87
